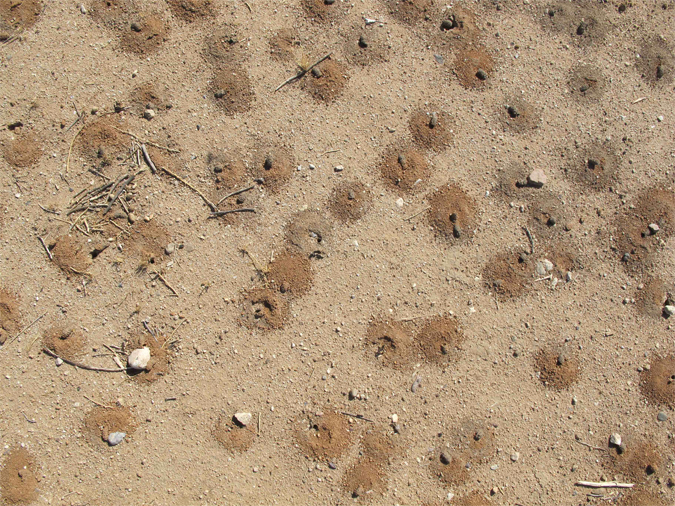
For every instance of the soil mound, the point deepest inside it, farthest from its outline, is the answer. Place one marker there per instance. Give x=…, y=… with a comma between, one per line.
x=71, y=255
x=431, y=130
x=350, y=201
x=66, y=342
x=160, y=356
x=192, y=10
x=508, y=274
x=390, y=343
x=228, y=170
x=474, y=67
x=324, y=11
x=368, y=474
x=519, y=115
x=290, y=272
x=404, y=168
x=636, y=459
x=284, y=44
x=651, y=300
x=587, y=83
x=23, y=151
x=326, y=81
x=274, y=165
x=146, y=32
x=557, y=367
x=410, y=12
x=453, y=213
x=20, y=15
x=440, y=339
x=101, y=421
x=264, y=309
x=18, y=478
x=232, y=435
x=658, y=383
x=365, y=46
x=656, y=61
x=325, y=437
x=231, y=89
x=309, y=232
x=10, y=318
x=595, y=166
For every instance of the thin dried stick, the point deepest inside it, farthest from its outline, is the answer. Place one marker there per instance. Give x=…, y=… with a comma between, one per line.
x=417, y=214
x=143, y=141
x=235, y=193
x=81, y=366
x=98, y=403
x=360, y=417
x=604, y=484
x=217, y=214
x=70, y=149
x=148, y=160
x=529, y=238
x=166, y=283
x=49, y=253
x=22, y=331
x=208, y=202
x=302, y=73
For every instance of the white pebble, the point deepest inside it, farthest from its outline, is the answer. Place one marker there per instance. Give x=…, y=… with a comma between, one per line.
x=243, y=418
x=138, y=359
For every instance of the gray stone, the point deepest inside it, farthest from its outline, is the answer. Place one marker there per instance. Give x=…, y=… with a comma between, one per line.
x=170, y=248
x=515, y=456
x=615, y=439
x=115, y=438
x=149, y=114
x=668, y=311
x=338, y=168
x=653, y=228
x=662, y=416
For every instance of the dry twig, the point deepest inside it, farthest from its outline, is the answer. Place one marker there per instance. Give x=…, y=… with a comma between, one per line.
x=81, y=366
x=604, y=484
x=302, y=72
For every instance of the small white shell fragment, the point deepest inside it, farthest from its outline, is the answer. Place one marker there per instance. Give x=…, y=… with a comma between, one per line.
x=615, y=439
x=138, y=359
x=394, y=418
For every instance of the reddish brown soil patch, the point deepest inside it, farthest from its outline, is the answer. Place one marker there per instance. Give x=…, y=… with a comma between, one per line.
x=658, y=383
x=431, y=130
x=587, y=84
x=404, y=168
x=325, y=437
x=368, y=474
x=595, y=166
x=309, y=232
x=231, y=89
x=518, y=115
x=557, y=367
x=364, y=46
x=224, y=47
x=349, y=201
x=440, y=339
x=390, y=343
x=636, y=459
x=112, y=13
x=509, y=274
x=274, y=165
x=657, y=61
x=232, y=435
x=147, y=242
x=284, y=44
x=192, y=10
x=22, y=151
x=410, y=11
x=71, y=255
x=149, y=96
x=449, y=467
x=475, y=440
x=10, y=318
x=100, y=141
x=643, y=497
x=290, y=273
x=20, y=15
x=228, y=170
x=634, y=240
x=145, y=33
x=652, y=298
x=160, y=355
x=100, y=422
x=473, y=67
x=582, y=21
x=19, y=478
x=474, y=498
x=66, y=342
x=452, y=213
x=326, y=81
x=512, y=181
x=564, y=259
x=324, y=11
x=264, y=309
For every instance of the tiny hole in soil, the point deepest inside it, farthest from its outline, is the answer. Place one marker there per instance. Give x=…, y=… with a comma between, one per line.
x=96, y=252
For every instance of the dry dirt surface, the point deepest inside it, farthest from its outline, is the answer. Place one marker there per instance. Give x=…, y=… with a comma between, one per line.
x=424, y=250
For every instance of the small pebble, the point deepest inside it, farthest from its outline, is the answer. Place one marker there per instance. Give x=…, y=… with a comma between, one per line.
x=136, y=27
x=338, y=168
x=568, y=276
x=653, y=228
x=615, y=439
x=352, y=394
x=149, y=114
x=660, y=118
x=495, y=467
x=363, y=42
x=394, y=418
x=399, y=202
x=445, y=458
x=662, y=416
x=515, y=456
x=115, y=438
x=331, y=465
x=58, y=362
x=316, y=72
x=434, y=120
x=170, y=248
x=668, y=311
x=481, y=75
x=243, y=419
x=416, y=384
x=139, y=358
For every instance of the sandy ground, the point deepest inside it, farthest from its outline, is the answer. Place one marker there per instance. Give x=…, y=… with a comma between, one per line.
x=406, y=313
